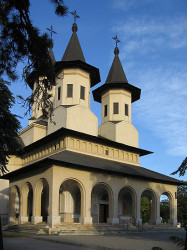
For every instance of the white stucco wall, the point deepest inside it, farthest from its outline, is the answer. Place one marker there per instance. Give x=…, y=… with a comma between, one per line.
x=4, y=201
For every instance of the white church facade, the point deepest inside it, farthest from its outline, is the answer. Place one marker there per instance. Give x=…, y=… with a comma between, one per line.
x=74, y=171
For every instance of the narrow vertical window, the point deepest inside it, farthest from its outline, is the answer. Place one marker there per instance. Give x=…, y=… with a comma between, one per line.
x=126, y=109
x=105, y=111
x=69, y=90
x=82, y=93
x=115, y=108
x=59, y=93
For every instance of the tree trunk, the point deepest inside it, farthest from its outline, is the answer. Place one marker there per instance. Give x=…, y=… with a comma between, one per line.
x=1, y=236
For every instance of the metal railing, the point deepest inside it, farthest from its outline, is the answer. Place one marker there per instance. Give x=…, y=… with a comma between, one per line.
x=136, y=223
x=124, y=223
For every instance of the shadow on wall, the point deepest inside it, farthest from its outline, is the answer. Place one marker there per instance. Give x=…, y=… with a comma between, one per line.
x=4, y=201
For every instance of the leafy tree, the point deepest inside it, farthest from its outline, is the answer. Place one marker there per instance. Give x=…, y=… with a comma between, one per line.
x=20, y=41
x=9, y=126
x=182, y=203
x=182, y=169
x=164, y=210
x=145, y=209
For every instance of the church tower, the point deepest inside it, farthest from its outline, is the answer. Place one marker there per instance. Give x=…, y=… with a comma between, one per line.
x=72, y=93
x=116, y=96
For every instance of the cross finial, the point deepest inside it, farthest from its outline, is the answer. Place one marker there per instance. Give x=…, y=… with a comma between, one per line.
x=74, y=13
x=51, y=31
x=116, y=39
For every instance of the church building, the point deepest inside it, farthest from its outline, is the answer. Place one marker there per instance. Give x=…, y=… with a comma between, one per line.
x=71, y=170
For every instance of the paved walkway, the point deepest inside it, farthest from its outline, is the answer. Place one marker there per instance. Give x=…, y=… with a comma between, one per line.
x=130, y=241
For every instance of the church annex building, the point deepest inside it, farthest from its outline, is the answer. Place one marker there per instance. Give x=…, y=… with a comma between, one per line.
x=74, y=171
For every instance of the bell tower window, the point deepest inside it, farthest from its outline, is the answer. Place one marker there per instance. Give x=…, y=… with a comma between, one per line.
x=59, y=93
x=69, y=90
x=115, y=108
x=126, y=109
x=82, y=93
x=105, y=111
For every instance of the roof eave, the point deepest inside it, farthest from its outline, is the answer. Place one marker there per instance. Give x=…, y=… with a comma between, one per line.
x=94, y=72
x=97, y=93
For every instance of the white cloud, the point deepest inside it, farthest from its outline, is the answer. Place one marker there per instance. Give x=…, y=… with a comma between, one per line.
x=163, y=107
x=143, y=34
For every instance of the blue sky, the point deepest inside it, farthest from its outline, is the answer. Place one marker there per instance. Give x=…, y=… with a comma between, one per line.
x=153, y=52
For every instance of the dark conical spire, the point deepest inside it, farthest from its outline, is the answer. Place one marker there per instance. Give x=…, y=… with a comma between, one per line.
x=116, y=73
x=73, y=51
x=51, y=56
x=116, y=79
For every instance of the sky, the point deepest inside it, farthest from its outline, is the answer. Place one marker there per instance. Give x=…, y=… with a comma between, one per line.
x=153, y=53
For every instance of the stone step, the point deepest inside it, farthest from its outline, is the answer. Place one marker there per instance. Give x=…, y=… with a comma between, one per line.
x=79, y=229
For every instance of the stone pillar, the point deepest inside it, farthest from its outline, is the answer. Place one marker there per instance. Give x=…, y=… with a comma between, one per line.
x=53, y=219
x=113, y=217
x=173, y=211
x=86, y=207
x=36, y=213
x=23, y=218
x=156, y=211
x=138, y=208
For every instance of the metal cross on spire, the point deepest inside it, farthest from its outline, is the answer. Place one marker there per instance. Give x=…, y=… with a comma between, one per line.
x=74, y=13
x=116, y=39
x=51, y=31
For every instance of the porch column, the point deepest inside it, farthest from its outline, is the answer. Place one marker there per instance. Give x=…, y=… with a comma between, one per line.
x=12, y=217
x=138, y=207
x=23, y=218
x=113, y=217
x=53, y=219
x=173, y=211
x=36, y=214
x=156, y=211
x=86, y=217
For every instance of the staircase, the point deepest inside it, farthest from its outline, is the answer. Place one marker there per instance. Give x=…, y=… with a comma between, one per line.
x=131, y=225
x=95, y=229
x=28, y=228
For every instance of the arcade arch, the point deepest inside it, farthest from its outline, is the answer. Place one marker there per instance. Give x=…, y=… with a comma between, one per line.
x=70, y=201
x=42, y=199
x=127, y=202
x=15, y=202
x=166, y=207
x=148, y=206
x=27, y=200
x=101, y=203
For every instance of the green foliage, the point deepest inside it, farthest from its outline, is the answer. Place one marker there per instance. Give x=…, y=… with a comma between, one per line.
x=182, y=204
x=9, y=126
x=20, y=41
x=145, y=209
x=164, y=210
x=180, y=242
x=182, y=169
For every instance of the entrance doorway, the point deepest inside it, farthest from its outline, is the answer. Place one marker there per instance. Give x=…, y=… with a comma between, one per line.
x=103, y=213
x=101, y=203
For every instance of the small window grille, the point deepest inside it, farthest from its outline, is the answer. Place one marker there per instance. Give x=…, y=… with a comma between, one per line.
x=106, y=152
x=126, y=109
x=59, y=93
x=69, y=90
x=105, y=111
x=82, y=93
x=116, y=108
